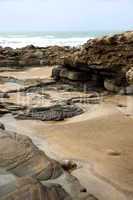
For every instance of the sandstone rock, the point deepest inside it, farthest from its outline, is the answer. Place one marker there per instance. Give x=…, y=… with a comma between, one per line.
x=54, y=113
x=109, y=57
x=23, y=158
x=28, y=188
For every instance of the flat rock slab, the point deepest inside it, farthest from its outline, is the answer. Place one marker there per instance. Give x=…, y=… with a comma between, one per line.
x=54, y=113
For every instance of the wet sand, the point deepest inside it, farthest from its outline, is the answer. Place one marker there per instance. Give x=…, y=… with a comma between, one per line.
x=100, y=141
x=29, y=73
x=25, y=77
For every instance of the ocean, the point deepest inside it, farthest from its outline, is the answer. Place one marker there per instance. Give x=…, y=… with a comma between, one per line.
x=43, y=39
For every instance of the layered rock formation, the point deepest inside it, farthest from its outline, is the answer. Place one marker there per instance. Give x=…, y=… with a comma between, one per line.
x=103, y=61
x=23, y=158
x=54, y=113
x=27, y=173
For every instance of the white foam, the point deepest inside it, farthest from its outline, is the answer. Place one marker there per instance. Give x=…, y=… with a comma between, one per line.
x=17, y=41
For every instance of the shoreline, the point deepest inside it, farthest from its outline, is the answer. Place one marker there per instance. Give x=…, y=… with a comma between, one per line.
x=76, y=106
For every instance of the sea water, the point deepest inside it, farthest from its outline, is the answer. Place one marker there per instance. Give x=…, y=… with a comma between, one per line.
x=44, y=39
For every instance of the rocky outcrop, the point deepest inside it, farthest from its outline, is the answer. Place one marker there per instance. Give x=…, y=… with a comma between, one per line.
x=112, y=53
x=27, y=173
x=106, y=58
x=8, y=57
x=23, y=158
x=100, y=60
x=78, y=78
x=33, y=56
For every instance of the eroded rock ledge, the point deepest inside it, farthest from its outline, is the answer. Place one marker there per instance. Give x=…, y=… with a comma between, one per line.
x=106, y=61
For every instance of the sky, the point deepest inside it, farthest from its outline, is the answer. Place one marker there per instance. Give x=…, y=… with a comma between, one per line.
x=66, y=15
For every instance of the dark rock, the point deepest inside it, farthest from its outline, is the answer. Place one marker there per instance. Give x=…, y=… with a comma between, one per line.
x=3, y=109
x=4, y=95
x=33, y=56
x=54, y=113
x=72, y=75
x=68, y=165
x=56, y=72
x=2, y=126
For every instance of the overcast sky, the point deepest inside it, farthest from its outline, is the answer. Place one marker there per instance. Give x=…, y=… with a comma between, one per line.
x=65, y=15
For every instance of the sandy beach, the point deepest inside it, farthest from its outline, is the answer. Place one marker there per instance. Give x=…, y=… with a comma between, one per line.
x=66, y=100
x=97, y=140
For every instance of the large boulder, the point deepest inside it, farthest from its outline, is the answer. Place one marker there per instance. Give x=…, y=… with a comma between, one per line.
x=23, y=158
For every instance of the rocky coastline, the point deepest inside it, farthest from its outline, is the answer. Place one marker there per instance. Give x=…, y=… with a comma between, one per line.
x=53, y=85
x=105, y=61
